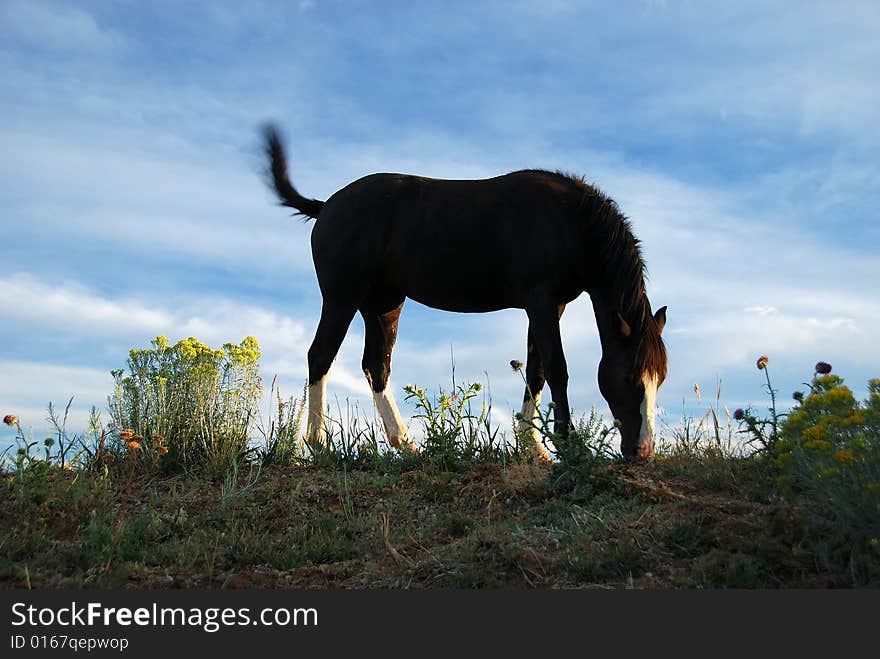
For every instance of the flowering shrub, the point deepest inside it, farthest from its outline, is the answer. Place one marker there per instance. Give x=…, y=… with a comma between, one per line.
x=829, y=432
x=196, y=404
x=829, y=449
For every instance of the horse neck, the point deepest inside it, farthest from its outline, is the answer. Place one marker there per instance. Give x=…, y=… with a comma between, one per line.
x=606, y=319
x=615, y=273
x=608, y=316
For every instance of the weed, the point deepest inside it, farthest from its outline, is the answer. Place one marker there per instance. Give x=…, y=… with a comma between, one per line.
x=282, y=440
x=452, y=431
x=231, y=488
x=763, y=433
x=584, y=457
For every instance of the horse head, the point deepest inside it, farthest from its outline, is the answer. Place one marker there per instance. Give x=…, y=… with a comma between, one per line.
x=633, y=367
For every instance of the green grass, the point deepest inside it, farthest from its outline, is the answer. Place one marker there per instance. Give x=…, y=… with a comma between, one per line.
x=470, y=510
x=483, y=526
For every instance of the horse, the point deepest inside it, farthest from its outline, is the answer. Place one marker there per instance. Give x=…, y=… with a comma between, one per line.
x=530, y=239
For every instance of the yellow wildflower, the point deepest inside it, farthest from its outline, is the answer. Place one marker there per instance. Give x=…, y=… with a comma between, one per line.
x=134, y=446
x=818, y=446
x=762, y=362
x=161, y=450
x=126, y=434
x=158, y=439
x=783, y=459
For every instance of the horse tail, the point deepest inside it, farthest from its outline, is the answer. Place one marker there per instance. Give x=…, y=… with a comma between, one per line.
x=279, y=180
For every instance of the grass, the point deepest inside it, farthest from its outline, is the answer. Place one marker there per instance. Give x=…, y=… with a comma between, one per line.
x=472, y=510
x=483, y=526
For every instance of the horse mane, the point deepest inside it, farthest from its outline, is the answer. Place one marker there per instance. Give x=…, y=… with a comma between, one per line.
x=622, y=269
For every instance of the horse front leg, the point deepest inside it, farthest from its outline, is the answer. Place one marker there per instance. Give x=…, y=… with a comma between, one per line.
x=544, y=328
x=529, y=425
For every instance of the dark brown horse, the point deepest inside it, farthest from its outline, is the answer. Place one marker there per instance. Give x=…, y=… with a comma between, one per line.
x=532, y=240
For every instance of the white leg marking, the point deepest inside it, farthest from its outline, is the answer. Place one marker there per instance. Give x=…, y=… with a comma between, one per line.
x=529, y=425
x=649, y=403
x=395, y=428
x=316, y=435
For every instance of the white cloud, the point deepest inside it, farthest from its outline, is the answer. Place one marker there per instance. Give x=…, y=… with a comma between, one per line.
x=26, y=389
x=58, y=27
x=71, y=306
x=762, y=310
x=79, y=314
x=167, y=204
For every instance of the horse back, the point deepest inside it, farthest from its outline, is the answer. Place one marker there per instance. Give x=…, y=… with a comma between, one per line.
x=463, y=245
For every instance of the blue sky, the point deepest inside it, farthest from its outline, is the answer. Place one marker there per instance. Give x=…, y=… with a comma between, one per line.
x=740, y=138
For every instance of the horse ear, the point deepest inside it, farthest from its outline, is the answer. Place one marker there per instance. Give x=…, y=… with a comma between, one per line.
x=660, y=319
x=625, y=330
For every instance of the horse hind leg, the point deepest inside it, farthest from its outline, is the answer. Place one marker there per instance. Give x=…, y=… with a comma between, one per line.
x=335, y=319
x=379, y=337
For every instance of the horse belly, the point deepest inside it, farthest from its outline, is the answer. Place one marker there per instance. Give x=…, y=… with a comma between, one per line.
x=462, y=280
x=454, y=300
